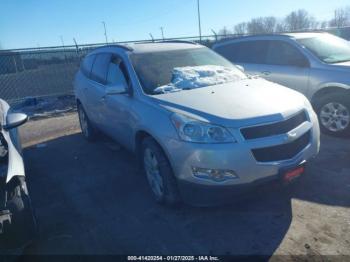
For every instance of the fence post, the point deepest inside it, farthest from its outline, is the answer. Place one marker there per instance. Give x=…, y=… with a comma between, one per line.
x=14, y=63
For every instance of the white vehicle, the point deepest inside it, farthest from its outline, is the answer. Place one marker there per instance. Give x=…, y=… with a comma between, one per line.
x=201, y=127
x=17, y=222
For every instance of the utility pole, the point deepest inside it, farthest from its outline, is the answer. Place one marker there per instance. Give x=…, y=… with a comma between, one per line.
x=162, y=30
x=104, y=26
x=199, y=21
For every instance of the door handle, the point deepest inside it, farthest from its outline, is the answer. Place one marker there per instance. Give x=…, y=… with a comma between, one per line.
x=266, y=73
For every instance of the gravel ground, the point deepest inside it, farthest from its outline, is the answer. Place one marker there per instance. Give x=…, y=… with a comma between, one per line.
x=90, y=198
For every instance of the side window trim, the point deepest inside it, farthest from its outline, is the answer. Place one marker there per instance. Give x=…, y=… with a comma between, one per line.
x=92, y=64
x=86, y=72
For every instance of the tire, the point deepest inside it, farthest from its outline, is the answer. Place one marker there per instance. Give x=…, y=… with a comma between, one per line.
x=333, y=112
x=167, y=192
x=86, y=127
x=23, y=228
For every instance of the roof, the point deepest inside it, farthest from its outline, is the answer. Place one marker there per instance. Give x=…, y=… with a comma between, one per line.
x=151, y=47
x=303, y=35
x=295, y=35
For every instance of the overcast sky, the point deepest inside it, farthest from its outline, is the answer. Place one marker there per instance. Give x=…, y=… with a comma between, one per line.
x=33, y=23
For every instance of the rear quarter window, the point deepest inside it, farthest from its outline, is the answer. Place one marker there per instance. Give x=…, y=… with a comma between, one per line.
x=100, y=68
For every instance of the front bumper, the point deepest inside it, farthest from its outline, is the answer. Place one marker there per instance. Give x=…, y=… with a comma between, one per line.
x=236, y=157
x=208, y=195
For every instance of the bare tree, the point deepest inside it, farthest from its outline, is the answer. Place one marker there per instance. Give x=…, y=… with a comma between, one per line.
x=281, y=26
x=262, y=25
x=240, y=28
x=270, y=23
x=341, y=17
x=323, y=24
x=224, y=32
x=298, y=20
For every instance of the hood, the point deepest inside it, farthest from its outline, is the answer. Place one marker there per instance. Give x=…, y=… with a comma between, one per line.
x=230, y=104
x=343, y=66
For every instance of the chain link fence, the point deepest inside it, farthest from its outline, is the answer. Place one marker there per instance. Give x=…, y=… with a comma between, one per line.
x=35, y=73
x=50, y=71
x=47, y=71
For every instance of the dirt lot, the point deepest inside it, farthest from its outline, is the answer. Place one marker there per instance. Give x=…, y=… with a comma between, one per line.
x=90, y=198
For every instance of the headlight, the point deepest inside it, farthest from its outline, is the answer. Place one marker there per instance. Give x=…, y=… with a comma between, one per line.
x=191, y=130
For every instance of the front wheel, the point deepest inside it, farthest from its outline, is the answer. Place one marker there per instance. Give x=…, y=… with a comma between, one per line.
x=159, y=173
x=334, y=114
x=23, y=227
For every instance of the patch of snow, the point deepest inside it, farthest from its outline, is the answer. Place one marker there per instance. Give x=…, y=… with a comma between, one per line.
x=191, y=77
x=41, y=107
x=169, y=88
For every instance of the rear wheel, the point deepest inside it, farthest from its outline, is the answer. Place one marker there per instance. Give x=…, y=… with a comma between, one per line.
x=87, y=129
x=334, y=114
x=159, y=173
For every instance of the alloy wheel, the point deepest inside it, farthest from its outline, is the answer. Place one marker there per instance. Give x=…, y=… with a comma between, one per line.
x=154, y=177
x=335, y=116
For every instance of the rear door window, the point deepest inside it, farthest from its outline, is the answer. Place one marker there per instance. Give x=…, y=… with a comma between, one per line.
x=100, y=68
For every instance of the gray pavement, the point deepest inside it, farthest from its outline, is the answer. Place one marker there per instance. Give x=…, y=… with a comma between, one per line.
x=90, y=198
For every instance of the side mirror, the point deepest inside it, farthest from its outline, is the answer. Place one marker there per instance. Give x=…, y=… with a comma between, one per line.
x=240, y=67
x=117, y=89
x=14, y=120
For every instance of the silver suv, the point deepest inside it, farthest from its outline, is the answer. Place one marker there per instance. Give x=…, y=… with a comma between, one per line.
x=201, y=128
x=315, y=64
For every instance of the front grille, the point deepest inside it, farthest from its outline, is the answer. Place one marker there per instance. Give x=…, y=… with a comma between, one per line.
x=275, y=128
x=282, y=152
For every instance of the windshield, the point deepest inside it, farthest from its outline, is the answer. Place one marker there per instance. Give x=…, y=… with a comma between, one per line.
x=330, y=49
x=169, y=71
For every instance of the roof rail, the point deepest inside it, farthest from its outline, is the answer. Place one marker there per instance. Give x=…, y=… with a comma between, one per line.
x=178, y=41
x=126, y=47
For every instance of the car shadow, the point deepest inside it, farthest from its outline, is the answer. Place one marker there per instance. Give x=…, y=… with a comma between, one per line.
x=91, y=198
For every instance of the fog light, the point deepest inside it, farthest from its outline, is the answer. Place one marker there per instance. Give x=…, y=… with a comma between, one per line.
x=216, y=175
